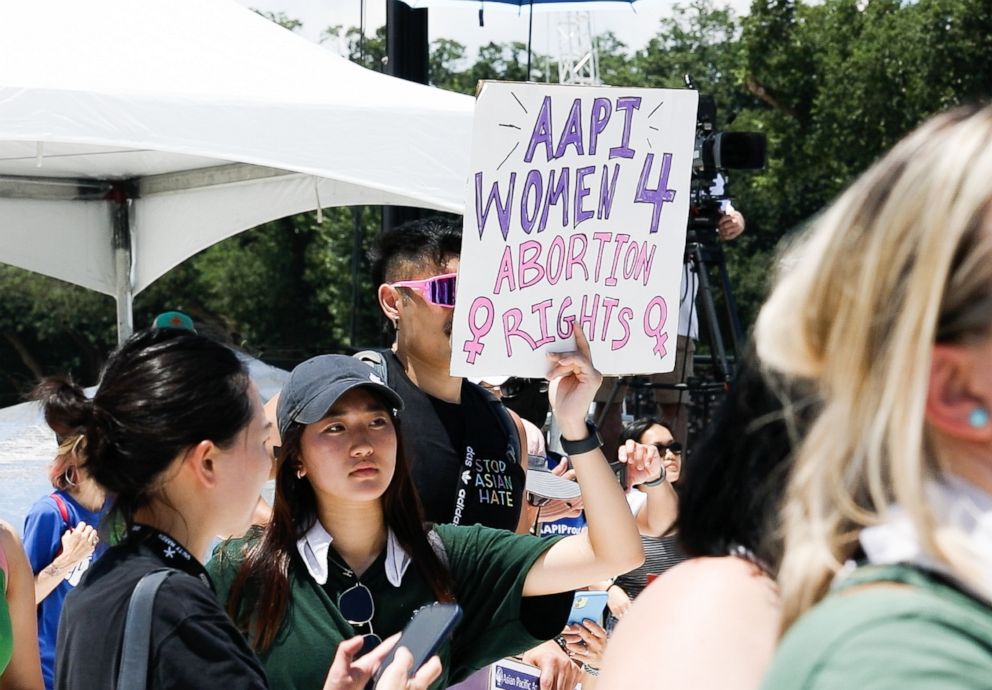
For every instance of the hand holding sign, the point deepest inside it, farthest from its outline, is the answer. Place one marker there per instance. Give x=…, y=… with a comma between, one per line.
x=574, y=382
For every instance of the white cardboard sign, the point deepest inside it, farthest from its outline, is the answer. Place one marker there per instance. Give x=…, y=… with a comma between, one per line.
x=576, y=210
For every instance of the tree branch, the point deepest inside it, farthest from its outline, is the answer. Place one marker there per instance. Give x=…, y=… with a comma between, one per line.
x=755, y=88
x=22, y=351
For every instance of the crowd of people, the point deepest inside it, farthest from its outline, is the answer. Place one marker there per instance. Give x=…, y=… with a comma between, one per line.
x=828, y=530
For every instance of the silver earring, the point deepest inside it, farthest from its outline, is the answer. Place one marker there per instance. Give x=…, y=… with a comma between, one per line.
x=299, y=473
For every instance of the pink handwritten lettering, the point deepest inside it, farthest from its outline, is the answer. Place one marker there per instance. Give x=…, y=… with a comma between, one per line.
x=474, y=347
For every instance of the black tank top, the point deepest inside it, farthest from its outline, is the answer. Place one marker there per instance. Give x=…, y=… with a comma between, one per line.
x=461, y=459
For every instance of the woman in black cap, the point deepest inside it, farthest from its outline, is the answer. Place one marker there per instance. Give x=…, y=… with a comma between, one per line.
x=176, y=434
x=347, y=551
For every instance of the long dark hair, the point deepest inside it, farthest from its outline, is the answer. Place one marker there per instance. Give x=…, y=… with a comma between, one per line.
x=740, y=468
x=634, y=430
x=259, y=596
x=161, y=392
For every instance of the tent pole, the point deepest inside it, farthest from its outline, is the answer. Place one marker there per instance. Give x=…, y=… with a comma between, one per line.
x=124, y=290
x=530, y=36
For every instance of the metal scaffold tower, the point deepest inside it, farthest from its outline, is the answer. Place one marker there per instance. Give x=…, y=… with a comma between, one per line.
x=578, y=60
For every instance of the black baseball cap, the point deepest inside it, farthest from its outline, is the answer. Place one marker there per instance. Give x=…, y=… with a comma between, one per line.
x=316, y=384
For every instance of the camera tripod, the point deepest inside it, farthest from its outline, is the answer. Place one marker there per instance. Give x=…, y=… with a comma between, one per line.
x=721, y=339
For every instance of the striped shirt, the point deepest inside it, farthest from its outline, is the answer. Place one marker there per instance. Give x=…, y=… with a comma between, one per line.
x=660, y=554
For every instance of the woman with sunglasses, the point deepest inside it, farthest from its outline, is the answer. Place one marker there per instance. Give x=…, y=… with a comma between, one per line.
x=661, y=548
x=347, y=551
x=176, y=434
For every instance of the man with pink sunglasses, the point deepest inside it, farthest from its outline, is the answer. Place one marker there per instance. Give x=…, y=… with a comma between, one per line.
x=464, y=446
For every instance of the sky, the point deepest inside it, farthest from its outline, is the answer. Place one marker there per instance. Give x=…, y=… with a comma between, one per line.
x=459, y=20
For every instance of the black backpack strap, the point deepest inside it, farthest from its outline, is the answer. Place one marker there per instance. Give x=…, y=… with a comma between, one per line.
x=506, y=424
x=136, y=648
x=377, y=361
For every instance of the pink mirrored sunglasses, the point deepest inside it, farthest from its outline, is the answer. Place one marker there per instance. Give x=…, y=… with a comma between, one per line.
x=438, y=290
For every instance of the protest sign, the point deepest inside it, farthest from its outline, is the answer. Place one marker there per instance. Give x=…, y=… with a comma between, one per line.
x=576, y=211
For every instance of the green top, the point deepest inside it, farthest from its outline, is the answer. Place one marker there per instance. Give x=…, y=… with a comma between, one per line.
x=926, y=634
x=6, y=630
x=488, y=567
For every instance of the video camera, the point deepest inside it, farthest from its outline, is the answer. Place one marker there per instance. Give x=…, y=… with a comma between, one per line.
x=714, y=153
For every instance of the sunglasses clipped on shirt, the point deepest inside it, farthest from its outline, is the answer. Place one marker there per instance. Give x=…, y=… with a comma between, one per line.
x=358, y=608
x=674, y=446
x=439, y=290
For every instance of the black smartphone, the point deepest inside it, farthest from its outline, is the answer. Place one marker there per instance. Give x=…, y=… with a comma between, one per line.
x=429, y=628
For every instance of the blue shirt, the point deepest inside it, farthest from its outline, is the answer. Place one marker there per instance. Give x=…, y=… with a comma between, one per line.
x=43, y=530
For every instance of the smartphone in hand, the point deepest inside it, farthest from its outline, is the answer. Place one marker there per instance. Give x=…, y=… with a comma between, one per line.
x=429, y=628
x=588, y=605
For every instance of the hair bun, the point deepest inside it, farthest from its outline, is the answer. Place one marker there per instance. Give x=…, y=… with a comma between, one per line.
x=67, y=409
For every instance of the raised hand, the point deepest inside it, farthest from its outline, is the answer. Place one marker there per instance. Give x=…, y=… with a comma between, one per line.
x=643, y=462
x=574, y=382
x=77, y=544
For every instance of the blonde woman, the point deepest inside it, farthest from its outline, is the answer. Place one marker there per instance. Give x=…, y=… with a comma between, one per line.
x=887, y=307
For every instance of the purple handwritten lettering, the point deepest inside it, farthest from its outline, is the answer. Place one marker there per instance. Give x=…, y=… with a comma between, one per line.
x=598, y=119
x=660, y=194
x=628, y=105
x=572, y=134
x=607, y=190
x=502, y=205
x=541, y=133
x=581, y=192
x=556, y=191
x=533, y=187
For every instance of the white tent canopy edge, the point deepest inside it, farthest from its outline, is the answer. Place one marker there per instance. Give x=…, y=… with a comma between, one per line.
x=137, y=134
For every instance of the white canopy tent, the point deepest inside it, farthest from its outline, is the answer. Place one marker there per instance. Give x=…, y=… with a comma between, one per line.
x=135, y=134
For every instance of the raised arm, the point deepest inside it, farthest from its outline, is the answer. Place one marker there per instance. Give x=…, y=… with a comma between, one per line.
x=611, y=544
x=645, y=469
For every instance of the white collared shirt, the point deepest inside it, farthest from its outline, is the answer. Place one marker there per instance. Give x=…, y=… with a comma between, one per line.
x=314, y=545
x=957, y=505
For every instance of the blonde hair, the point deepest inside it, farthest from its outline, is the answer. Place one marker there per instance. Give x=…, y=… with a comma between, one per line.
x=900, y=261
x=67, y=460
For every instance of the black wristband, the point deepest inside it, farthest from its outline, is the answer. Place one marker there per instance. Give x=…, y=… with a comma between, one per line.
x=657, y=481
x=590, y=442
